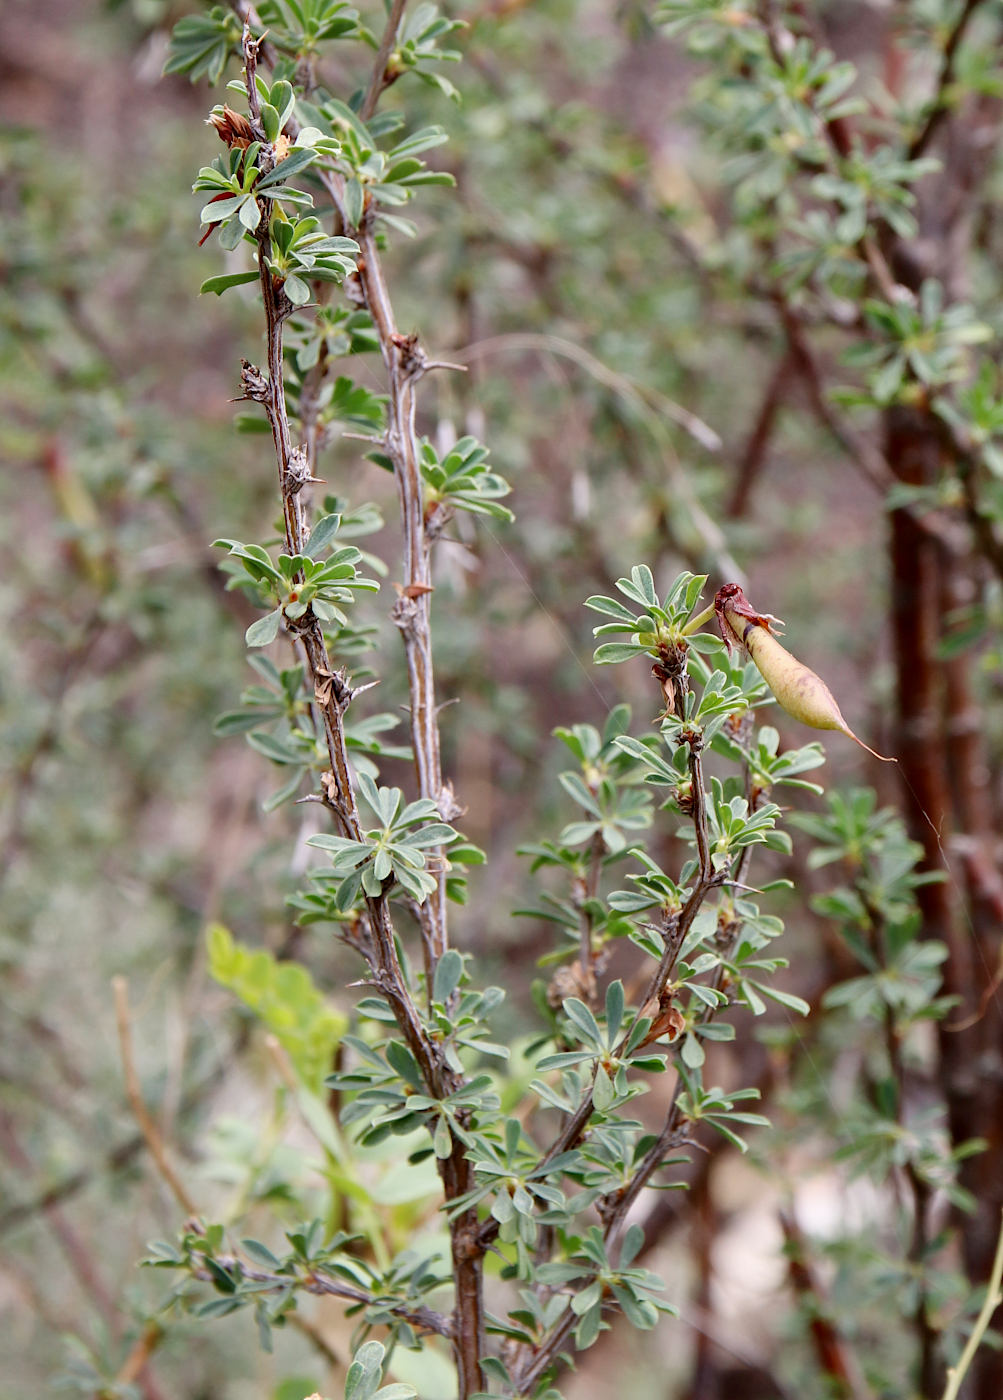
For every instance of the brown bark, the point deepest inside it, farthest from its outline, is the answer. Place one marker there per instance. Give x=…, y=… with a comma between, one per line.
x=946, y=799
x=948, y=785
x=752, y=460
x=704, y=1382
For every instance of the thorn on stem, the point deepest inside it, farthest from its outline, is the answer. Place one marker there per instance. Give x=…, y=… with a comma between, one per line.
x=298, y=472
x=254, y=383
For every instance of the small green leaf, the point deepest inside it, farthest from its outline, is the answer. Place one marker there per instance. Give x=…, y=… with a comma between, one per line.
x=263, y=632
x=610, y=653
x=322, y=535
x=614, y=1009
x=603, y=1093
x=442, y=1141
x=228, y=279
x=249, y=214
x=448, y=972
x=297, y=159
x=354, y=203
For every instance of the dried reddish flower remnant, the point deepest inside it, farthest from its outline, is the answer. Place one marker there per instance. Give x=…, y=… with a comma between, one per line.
x=231, y=127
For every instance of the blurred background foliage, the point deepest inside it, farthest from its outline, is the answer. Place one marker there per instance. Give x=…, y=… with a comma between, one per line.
x=610, y=282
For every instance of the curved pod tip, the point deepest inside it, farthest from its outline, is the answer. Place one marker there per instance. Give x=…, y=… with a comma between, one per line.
x=796, y=688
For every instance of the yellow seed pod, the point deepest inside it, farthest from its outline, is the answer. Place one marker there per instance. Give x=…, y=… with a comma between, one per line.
x=797, y=689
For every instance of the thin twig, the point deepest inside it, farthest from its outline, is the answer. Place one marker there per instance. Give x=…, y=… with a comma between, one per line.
x=981, y=524
x=652, y=407
x=939, y=105
x=316, y=1338
x=872, y=463
x=860, y=451
x=704, y=1322
x=701, y=433
x=675, y=1133
x=319, y=1283
x=116, y=1159
x=139, y=1354
x=70, y=1185
x=379, y=81
x=575, y=1126
x=147, y=1126
x=81, y=1261
x=81, y=1258
x=840, y=140
x=993, y=1300
x=700, y=813
x=919, y=1190
x=280, y=1059
x=403, y=359
x=754, y=453
x=70, y=671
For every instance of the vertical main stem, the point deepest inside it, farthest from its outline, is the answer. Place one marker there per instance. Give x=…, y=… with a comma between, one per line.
x=392, y=983
x=412, y=612
x=468, y=1279
x=404, y=364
